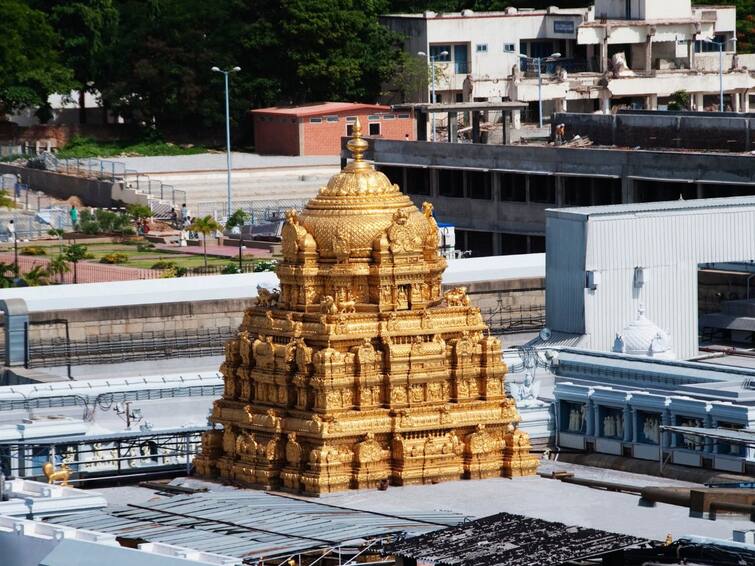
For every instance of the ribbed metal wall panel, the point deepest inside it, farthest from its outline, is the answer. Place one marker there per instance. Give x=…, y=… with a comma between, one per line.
x=565, y=264
x=670, y=243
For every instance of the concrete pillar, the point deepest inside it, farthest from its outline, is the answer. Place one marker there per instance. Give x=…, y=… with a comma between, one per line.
x=649, y=53
x=516, y=119
x=605, y=101
x=735, y=98
x=745, y=104
x=634, y=425
x=560, y=191
x=433, y=180
x=560, y=104
x=667, y=439
x=699, y=191
x=475, y=126
x=628, y=428
x=653, y=102
x=604, y=55
x=590, y=431
x=496, y=243
x=452, y=127
x=699, y=101
x=691, y=52
x=597, y=425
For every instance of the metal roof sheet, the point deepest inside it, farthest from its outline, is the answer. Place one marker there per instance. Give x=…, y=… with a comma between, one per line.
x=670, y=206
x=252, y=524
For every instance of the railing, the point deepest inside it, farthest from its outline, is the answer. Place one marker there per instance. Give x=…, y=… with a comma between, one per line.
x=117, y=348
x=116, y=171
x=137, y=454
x=260, y=211
x=504, y=320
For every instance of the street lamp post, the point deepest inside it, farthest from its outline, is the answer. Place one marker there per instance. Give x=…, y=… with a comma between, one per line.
x=227, y=127
x=720, y=69
x=538, y=61
x=432, y=59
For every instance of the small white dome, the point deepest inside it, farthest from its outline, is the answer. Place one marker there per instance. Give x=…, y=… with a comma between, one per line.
x=642, y=337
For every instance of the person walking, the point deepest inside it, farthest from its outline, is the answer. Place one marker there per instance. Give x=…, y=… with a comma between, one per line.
x=74, y=213
x=174, y=218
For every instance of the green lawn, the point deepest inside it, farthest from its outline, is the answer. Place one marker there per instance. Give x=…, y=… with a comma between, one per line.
x=146, y=259
x=80, y=147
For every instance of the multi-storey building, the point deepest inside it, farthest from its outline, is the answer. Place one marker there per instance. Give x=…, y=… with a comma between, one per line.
x=629, y=53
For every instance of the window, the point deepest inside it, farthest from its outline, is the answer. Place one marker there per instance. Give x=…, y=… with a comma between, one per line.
x=349, y=130
x=481, y=48
x=373, y=117
x=388, y=116
x=351, y=118
x=375, y=129
x=509, y=48
x=315, y=120
x=404, y=116
x=461, y=65
x=436, y=50
x=332, y=118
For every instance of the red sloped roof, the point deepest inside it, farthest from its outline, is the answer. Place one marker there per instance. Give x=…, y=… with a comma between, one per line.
x=321, y=108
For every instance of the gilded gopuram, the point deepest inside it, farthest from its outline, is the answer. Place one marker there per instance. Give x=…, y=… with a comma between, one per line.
x=359, y=371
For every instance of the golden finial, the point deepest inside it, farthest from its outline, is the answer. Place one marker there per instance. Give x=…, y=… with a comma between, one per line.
x=357, y=145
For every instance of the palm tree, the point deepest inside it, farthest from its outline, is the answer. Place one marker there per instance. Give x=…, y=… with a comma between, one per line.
x=238, y=219
x=36, y=276
x=205, y=225
x=58, y=266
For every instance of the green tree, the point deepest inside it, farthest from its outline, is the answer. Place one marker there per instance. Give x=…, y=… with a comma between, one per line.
x=7, y=275
x=30, y=67
x=74, y=253
x=58, y=267
x=237, y=220
x=139, y=211
x=88, y=29
x=205, y=226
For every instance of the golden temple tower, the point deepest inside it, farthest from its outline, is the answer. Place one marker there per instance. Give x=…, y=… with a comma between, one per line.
x=359, y=370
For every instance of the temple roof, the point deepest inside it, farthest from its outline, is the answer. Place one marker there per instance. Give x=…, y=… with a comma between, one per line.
x=357, y=206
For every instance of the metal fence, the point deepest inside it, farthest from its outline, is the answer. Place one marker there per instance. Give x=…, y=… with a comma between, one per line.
x=117, y=348
x=260, y=211
x=505, y=319
x=134, y=453
x=116, y=171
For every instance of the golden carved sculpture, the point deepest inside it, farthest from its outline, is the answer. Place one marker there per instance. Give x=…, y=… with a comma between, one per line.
x=61, y=475
x=359, y=371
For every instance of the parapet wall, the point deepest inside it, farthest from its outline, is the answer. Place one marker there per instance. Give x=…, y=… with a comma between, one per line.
x=683, y=130
x=92, y=192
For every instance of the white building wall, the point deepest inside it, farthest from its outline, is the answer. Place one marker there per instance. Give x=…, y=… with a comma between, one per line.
x=670, y=244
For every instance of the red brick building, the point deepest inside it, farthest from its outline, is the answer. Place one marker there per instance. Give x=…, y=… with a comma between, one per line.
x=316, y=129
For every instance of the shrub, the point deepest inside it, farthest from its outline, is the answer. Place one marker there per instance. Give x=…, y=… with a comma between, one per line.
x=230, y=269
x=264, y=265
x=164, y=264
x=33, y=250
x=144, y=247
x=114, y=258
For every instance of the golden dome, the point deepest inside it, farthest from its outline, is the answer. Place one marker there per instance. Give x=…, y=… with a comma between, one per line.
x=357, y=206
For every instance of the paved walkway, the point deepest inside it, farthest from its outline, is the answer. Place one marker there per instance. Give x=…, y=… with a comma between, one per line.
x=216, y=251
x=217, y=161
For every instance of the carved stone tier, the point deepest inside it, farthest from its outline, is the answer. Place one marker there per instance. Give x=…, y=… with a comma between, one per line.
x=358, y=370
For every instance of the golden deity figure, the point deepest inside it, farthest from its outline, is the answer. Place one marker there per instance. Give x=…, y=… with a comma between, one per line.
x=359, y=370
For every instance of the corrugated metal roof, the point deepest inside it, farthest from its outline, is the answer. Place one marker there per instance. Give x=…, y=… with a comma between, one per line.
x=653, y=207
x=321, y=108
x=249, y=524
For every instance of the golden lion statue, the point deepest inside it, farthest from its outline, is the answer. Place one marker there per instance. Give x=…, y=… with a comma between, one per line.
x=60, y=475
